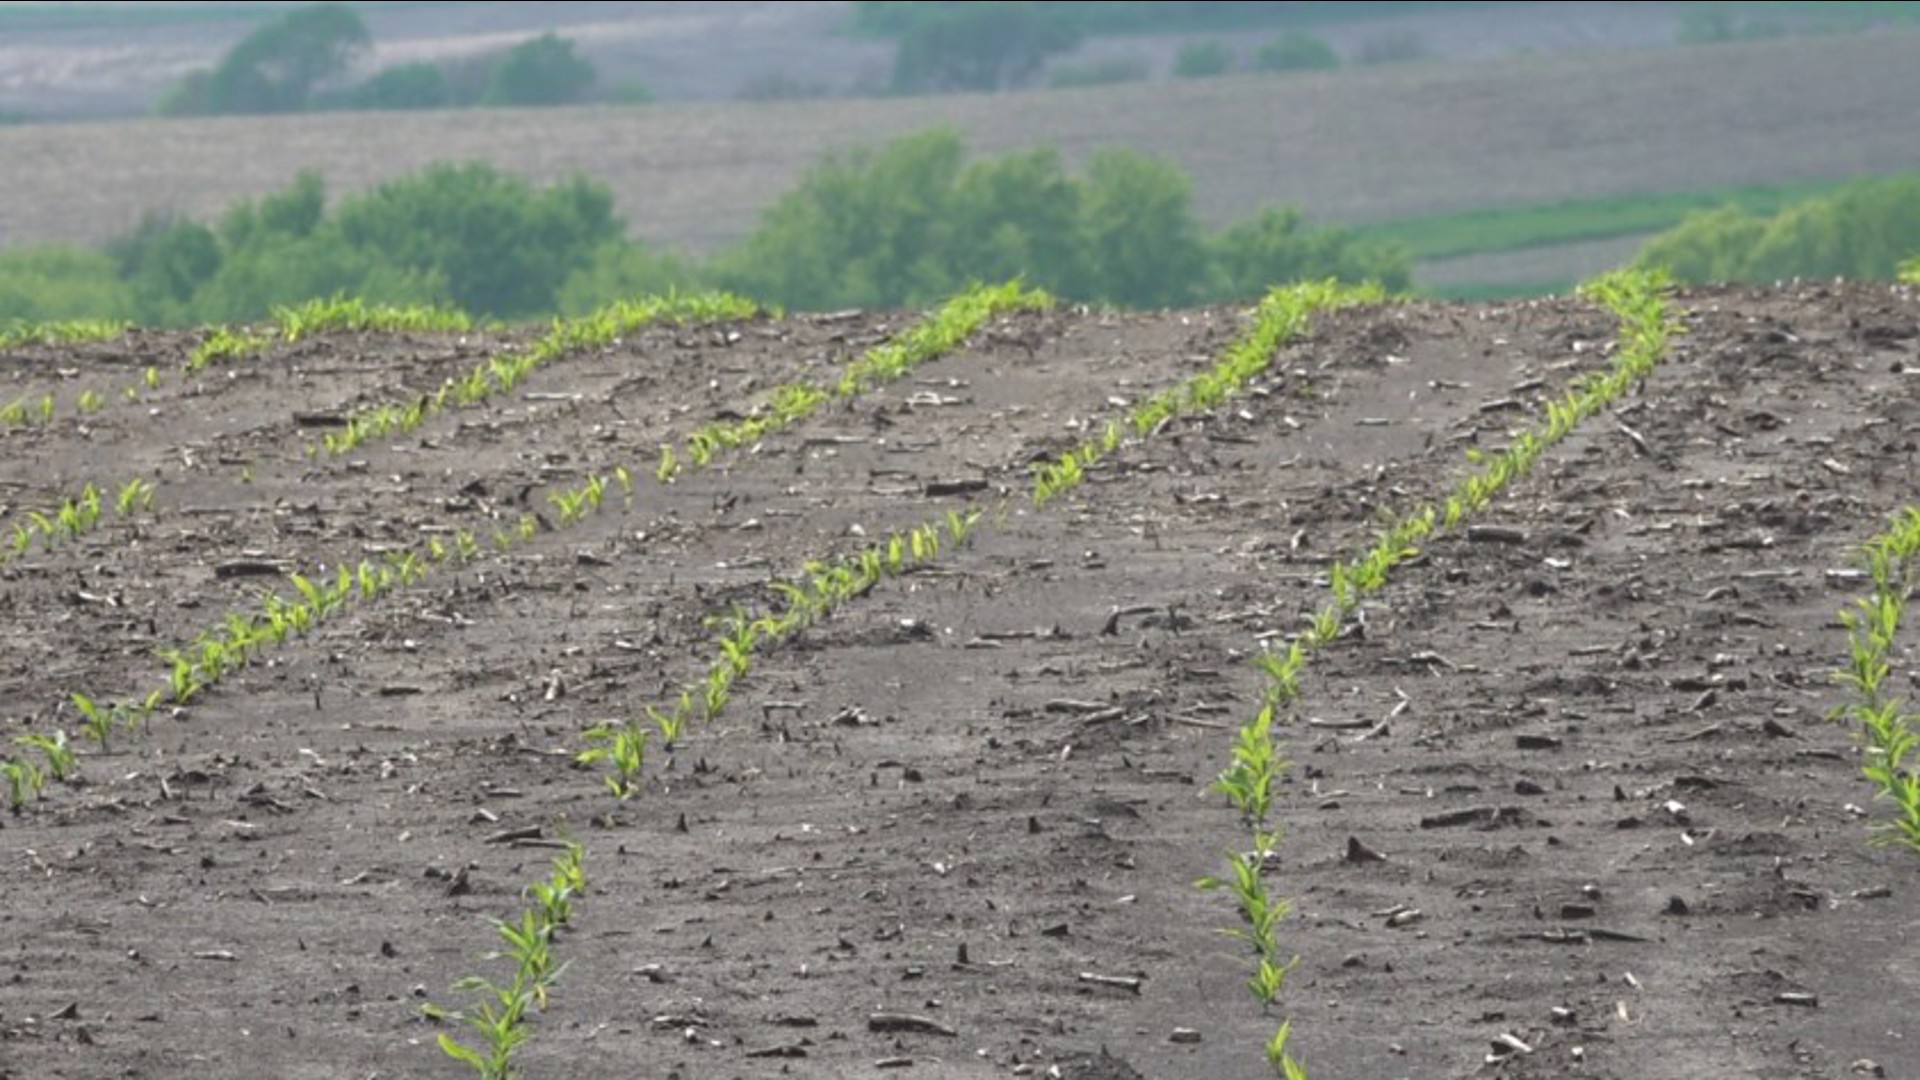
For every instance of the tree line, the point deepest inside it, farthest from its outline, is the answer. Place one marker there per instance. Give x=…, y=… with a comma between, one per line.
x=894, y=226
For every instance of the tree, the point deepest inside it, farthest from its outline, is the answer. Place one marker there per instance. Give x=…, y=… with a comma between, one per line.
x=1203, y=60
x=543, y=71
x=1296, y=51
x=164, y=262
x=275, y=69
x=983, y=46
x=1275, y=248
x=1019, y=216
x=502, y=248
x=869, y=229
x=1142, y=240
x=417, y=85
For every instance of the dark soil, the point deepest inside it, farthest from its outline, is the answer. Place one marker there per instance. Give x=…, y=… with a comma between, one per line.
x=1596, y=761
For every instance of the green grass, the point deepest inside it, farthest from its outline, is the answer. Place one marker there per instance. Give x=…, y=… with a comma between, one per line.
x=1515, y=228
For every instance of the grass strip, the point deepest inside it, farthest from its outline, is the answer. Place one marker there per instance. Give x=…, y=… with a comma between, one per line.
x=1887, y=730
x=1637, y=299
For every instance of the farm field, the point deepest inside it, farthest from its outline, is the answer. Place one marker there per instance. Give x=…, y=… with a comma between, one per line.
x=1563, y=796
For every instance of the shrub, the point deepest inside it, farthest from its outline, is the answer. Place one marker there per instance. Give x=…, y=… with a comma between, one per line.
x=982, y=46
x=543, y=71
x=1204, y=60
x=1296, y=51
x=1104, y=73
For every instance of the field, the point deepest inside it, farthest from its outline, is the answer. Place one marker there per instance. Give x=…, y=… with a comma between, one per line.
x=1373, y=145
x=1564, y=797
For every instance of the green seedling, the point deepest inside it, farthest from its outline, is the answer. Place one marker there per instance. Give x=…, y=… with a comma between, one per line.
x=624, y=746
x=499, y=1020
x=61, y=763
x=98, y=722
x=24, y=782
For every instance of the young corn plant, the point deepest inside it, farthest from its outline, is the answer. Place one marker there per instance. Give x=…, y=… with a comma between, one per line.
x=1890, y=736
x=17, y=332
x=1280, y=317
x=24, y=781
x=61, y=762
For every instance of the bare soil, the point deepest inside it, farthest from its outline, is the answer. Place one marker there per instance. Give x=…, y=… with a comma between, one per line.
x=1590, y=746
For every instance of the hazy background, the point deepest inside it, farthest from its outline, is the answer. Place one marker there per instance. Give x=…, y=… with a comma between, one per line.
x=1499, y=148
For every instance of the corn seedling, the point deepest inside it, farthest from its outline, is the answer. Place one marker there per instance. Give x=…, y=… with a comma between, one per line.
x=24, y=781
x=624, y=746
x=1887, y=731
x=61, y=763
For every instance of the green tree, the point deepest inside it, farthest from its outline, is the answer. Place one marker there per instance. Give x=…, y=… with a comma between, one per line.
x=1142, y=240
x=56, y=284
x=982, y=46
x=1276, y=248
x=543, y=71
x=1203, y=60
x=164, y=262
x=1019, y=216
x=417, y=85
x=275, y=69
x=1296, y=51
x=621, y=270
x=870, y=229
x=1861, y=231
x=502, y=248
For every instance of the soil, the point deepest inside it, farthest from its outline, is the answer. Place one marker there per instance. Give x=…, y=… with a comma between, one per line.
x=1590, y=745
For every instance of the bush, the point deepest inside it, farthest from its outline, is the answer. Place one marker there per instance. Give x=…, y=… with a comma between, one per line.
x=61, y=284
x=1274, y=247
x=1860, y=231
x=982, y=46
x=418, y=85
x=543, y=71
x=1204, y=60
x=1296, y=51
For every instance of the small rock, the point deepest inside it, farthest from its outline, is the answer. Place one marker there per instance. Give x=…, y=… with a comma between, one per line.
x=1184, y=1035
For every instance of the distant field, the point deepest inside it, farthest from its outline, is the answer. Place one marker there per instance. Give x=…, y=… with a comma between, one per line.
x=1514, y=228
x=1357, y=146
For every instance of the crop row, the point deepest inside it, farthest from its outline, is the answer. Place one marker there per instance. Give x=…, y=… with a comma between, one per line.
x=500, y=374
x=73, y=518
x=1257, y=761
x=824, y=585
x=233, y=643
x=1887, y=731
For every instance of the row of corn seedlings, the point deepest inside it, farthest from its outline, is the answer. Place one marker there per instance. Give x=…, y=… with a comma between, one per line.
x=231, y=644
x=499, y=1011
x=74, y=518
x=16, y=332
x=822, y=587
x=941, y=331
x=1887, y=732
x=297, y=322
x=502, y=373
x=1281, y=315
x=1637, y=299
x=290, y=323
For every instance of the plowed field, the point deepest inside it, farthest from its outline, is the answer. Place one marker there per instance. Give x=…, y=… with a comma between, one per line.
x=1587, y=737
